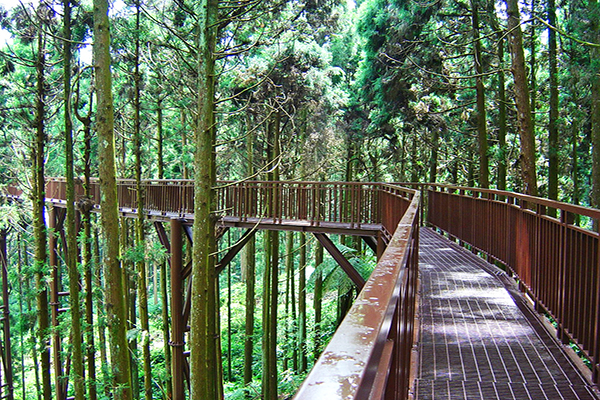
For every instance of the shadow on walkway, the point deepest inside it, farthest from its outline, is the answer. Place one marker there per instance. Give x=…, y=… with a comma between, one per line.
x=476, y=342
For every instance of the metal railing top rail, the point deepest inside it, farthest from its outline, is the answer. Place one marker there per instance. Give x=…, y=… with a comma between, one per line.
x=505, y=196
x=348, y=367
x=319, y=201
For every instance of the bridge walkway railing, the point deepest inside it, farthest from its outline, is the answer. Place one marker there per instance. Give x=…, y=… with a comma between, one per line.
x=551, y=248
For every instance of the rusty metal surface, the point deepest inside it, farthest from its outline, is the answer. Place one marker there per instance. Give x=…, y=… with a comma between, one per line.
x=477, y=340
x=556, y=262
x=347, y=207
x=355, y=361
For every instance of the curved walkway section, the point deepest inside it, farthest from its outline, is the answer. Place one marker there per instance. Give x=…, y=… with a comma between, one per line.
x=479, y=340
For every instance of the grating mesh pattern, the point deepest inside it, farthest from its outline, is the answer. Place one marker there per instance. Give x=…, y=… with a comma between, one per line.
x=476, y=342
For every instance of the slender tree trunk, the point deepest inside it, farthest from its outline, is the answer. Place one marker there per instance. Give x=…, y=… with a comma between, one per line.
x=470, y=168
x=75, y=306
x=290, y=344
x=168, y=388
x=39, y=227
x=130, y=300
x=140, y=234
x=22, y=322
x=249, y=328
x=302, y=364
x=553, y=112
x=575, y=164
x=484, y=180
x=101, y=307
x=85, y=206
x=533, y=67
x=159, y=139
x=204, y=358
x=115, y=305
x=184, y=145
x=272, y=277
x=433, y=158
x=414, y=173
x=522, y=98
x=594, y=14
x=502, y=129
x=318, y=300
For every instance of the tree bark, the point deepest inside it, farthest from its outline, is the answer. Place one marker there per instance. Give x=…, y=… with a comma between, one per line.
x=204, y=358
x=140, y=234
x=39, y=226
x=318, y=300
x=484, y=180
x=115, y=304
x=522, y=99
x=433, y=157
x=553, y=112
x=271, y=276
x=502, y=129
x=71, y=260
x=595, y=117
x=302, y=351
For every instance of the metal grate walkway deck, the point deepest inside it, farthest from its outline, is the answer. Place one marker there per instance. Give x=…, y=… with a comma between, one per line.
x=477, y=340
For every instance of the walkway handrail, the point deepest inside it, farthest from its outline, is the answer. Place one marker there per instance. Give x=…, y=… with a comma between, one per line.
x=353, y=203
x=556, y=261
x=370, y=353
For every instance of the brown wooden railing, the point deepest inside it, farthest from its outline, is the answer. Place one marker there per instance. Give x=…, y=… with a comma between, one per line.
x=556, y=262
x=369, y=356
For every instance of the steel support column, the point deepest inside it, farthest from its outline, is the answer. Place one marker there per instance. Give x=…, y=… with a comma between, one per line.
x=7, y=386
x=177, y=328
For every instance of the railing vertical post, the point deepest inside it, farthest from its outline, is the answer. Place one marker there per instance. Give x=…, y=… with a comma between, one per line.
x=596, y=341
x=177, y=310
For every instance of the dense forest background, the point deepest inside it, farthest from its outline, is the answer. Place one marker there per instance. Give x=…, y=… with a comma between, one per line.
x=473, y=93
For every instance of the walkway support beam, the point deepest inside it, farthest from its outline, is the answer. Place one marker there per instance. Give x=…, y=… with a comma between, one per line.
x=337, y=255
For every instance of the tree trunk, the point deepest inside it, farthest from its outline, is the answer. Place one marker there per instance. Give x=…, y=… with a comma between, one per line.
x=271, y=275
x=433, y=159
x=101, y=306
x=250, y=279
x=502, y=129
x=140, y=234
x=484, y=180
x=39, y=227
x=522, y=99
x=318, y=300
x=249, y=328
x=204, y=358
x=85, y=207
x=71, y=260
x=595, y=117
x=168, y=388
x=289, y=321
x=302, y=364
x=115, y=305
x=553, y=112
x=159, y=139
x=533, y=67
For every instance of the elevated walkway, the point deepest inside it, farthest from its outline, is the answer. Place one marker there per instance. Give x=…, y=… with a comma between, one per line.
x=479, y=339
